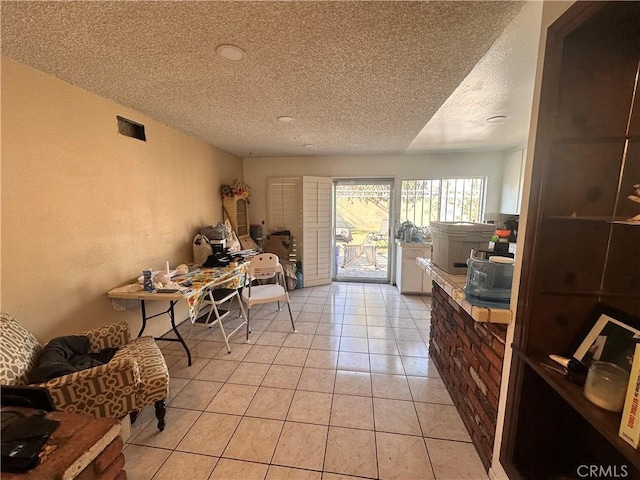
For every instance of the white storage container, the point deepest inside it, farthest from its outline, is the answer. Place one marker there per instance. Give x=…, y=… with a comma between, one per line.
x=453, y=241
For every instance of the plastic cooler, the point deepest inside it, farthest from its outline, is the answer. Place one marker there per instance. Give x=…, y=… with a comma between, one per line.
x=453, y=241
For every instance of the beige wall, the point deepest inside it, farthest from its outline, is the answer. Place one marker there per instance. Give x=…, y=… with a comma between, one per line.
x=400, y=167
x=85, y=209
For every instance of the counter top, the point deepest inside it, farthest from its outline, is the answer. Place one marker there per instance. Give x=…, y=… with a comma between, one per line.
x=454, y=286
x=78, y=442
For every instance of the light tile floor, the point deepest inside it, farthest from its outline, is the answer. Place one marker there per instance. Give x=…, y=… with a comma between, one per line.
x=353, y=394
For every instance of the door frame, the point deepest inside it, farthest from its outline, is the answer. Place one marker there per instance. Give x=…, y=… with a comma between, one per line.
x=391, y=181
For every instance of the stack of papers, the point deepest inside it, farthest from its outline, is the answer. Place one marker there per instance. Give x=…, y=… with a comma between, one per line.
x=245, y=253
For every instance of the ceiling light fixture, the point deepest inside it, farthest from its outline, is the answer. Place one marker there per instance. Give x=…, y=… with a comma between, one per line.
x=309, y=145
x=497, y=119
x=231, y=53
x=285, y=119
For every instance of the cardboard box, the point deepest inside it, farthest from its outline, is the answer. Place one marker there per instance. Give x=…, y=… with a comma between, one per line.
x=281, y=245
x=630, y=423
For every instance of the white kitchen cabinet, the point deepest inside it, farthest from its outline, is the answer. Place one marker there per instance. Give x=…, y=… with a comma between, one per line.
x=410, y=278
x=512, y=179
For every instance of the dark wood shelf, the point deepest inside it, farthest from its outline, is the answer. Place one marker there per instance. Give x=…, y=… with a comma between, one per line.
x=580, y=247
x=611, y=220
x=607, y=423
x=589, y=293
x=593, y=140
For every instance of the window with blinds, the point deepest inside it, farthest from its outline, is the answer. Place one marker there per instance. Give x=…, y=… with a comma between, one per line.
x=316, y=208
x=284, y=205
x=289, y=201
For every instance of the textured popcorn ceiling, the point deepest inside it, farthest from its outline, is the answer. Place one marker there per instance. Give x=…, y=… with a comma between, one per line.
x=358, y=77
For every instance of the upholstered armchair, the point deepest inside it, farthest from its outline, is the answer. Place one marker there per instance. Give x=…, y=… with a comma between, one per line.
x=135, y=377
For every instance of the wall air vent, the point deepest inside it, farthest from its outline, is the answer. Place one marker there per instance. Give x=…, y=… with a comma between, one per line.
x=131, y=129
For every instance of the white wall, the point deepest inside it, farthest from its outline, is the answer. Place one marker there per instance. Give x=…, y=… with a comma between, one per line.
x=512, y=180
x=400, y=167
x=85, y=209
x=550, y=13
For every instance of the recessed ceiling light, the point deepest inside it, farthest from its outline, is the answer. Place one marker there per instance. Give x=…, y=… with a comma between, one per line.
x=285, y=119
x=309, y=145
x=231, y=53
x=497, y=119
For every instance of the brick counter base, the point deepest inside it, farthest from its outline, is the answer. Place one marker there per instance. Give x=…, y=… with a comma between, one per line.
x=468, y=355
x=108, y=465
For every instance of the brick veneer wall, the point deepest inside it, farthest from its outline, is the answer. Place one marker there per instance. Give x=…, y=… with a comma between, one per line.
x=469, y=356
x=108, y=465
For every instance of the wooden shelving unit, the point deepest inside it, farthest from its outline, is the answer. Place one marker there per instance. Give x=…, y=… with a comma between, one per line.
x=579, y=249
x=236, y=210
x=607, y=423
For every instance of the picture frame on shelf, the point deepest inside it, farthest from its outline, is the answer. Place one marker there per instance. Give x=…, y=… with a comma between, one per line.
x=611, y=337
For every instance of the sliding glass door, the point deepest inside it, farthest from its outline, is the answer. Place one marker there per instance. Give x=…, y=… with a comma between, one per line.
x=361, y=237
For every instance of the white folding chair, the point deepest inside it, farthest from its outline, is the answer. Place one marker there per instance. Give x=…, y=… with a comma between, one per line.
x=264, y=267
x=216, y=297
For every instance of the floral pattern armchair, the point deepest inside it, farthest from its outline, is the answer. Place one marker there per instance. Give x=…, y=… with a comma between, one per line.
x=135, y=377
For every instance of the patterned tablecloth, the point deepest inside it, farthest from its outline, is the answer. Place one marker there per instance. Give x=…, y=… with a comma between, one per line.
x=207, y=278
x=194, y=286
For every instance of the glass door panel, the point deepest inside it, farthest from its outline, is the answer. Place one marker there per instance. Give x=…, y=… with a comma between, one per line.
x=361, y=236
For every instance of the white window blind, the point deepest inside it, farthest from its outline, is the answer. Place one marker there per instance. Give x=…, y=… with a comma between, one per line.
x=316, y=219
x=284, y=205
